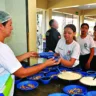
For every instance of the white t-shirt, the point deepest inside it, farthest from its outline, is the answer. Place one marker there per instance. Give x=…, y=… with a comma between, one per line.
x=86, y=44
x=95, y=48
x=8, y=61
x=68, y=51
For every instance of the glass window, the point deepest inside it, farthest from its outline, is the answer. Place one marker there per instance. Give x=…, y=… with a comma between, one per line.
x=65, y=19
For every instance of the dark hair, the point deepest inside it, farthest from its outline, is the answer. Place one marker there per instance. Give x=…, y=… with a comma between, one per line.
x=85, y=24
x=95, y=28
x=72, y=26
x=51, y=22
x=4, y=24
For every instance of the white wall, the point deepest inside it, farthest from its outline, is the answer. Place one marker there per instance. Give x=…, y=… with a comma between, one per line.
x=18, y=40
x=2, y=5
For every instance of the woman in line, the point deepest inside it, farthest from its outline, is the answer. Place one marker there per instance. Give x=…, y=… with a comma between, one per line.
x=68, y=48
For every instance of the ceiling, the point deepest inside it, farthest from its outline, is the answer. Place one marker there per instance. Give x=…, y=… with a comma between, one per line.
x=83, y=7
x=89, y=6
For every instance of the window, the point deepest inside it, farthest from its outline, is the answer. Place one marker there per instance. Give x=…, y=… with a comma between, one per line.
x=64, y=19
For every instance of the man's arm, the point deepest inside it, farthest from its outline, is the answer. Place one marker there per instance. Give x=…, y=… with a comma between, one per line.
x=26, y=55
x=90, y=58
x=24, y=72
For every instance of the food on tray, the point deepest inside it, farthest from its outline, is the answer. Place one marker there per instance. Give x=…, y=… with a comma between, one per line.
x=35, y=77
x=31, y=86
x=75, y=91
x=27, y=86
x=68, y=75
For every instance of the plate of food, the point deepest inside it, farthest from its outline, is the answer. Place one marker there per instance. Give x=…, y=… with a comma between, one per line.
x=27, y=85
x=69, y=75
x=36, y=76
x=52, y=75
x=88, y=80
x=75, y=89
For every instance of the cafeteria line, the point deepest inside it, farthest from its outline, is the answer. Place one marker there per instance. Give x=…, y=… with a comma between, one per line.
x=63, y=61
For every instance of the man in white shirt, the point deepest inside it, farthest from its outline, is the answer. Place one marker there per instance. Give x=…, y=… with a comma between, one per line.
x=93, y=65
x=87, y=47
x=8, y=61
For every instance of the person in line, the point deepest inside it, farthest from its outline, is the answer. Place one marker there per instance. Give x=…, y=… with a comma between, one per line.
x=68, y=48
x=87, y=47
x=52, y=36
x=93, y=65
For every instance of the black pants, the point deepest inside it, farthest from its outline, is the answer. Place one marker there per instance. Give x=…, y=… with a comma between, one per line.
x=93, y=63
x=83, y=60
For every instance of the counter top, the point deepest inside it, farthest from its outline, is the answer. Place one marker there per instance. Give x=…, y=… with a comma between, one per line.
x=43, y=90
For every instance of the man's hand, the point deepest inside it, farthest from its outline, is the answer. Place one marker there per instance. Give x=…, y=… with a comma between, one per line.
x=58, y=62
x=50, y=62
x=32, y=54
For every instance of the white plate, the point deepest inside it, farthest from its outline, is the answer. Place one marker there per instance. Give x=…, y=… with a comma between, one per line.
x=68, y=75
x=88, y=81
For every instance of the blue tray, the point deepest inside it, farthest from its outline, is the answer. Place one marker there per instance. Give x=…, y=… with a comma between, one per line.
x=72, y=87
x=25, y=84
x=46, y=54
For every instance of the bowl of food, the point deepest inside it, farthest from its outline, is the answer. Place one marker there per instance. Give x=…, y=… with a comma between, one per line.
x=45, y=71
x=69, y=75
x=27, y=85
x=58, y=94
x=36, y=76
x=45, y=80
x=52, y=75
x=64, y=69
x=75, y=89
